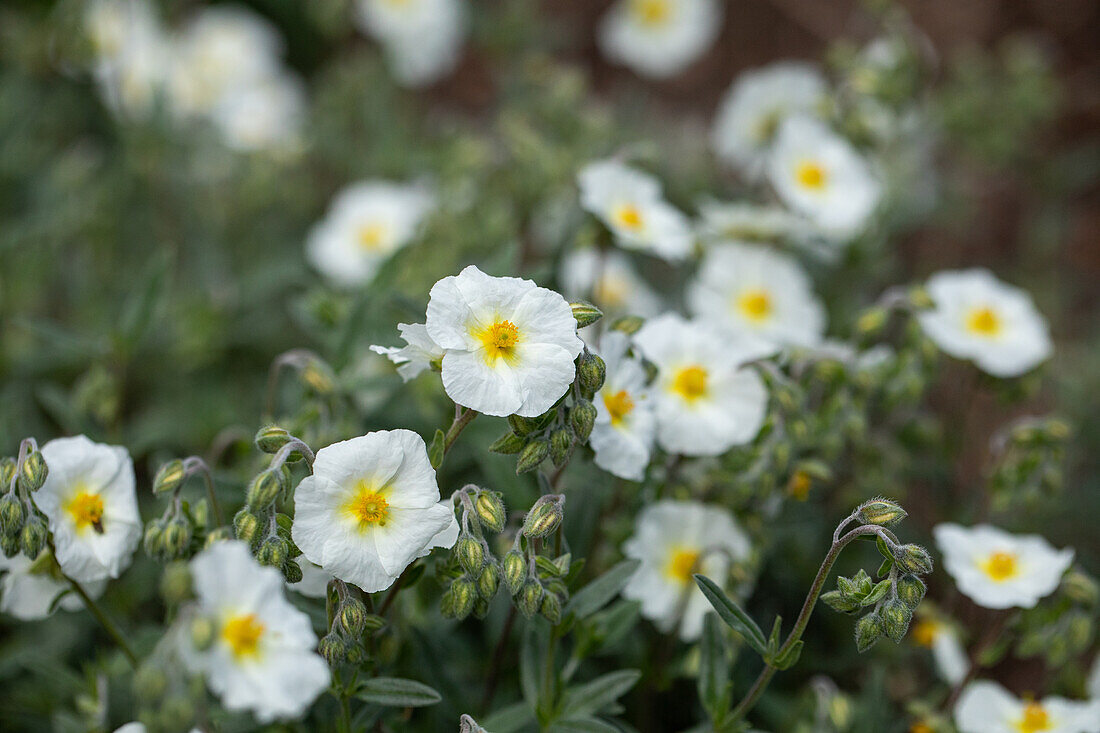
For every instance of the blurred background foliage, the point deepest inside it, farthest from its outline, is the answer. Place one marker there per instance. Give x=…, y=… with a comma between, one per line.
x=149, y=278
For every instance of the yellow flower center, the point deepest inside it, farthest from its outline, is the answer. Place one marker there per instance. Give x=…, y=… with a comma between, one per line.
x=812, y=175
x=618, y=405
x=920, y=727
x=370, y=237
x=924, y=633
x=983, y=322
x=242, y=633
x=368, y=506
x=1000, y=566
x=499, y=341
x=681, y=564
x=755, y=305
x=800, y=484
x=86, y=510
x=1035, y=719
x=651, y=12
x=629, y=217
x=690, y=383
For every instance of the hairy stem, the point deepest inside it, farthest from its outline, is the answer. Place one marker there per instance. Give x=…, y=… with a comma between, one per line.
x=463, y=417
x=104, y=621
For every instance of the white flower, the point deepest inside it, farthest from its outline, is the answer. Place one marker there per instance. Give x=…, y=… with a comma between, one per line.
x=674, y=540
x=370, y=508
x=978, y=317
x=314, y=582
x=608, y=280
x=89, y=499
x=659, y=38
x=28, y=589
x=264, y=115
x=508, y=345
x=366, y=223
x=622, y=436
x=986, y=707
x=132, y=53
x=947, y=651
x=996, y=569
x=706, y=403
x=262, y=655
x=422, y=38
x=757, y=290
x=756, y=104
x=1092, y=686
x=418, y=354
x=749, y=222
x=819, y=174
x=629, y=202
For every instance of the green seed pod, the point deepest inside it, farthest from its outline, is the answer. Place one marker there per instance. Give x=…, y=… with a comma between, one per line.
x=551, y=608
x=532, y=455
x=464, y=594
x=895, y=619
x=32, y=539
x=333, y=648
x=508, y=444
x=490, y=510
x=175, y=583
x=591, y=373
x=487, y=581
x=882, y=512
x=272, y=552
x=514, y=570
x=585, y=313
x=911, y=590
x=11, y=513
x=582, y=418
x=292, y=571
x=529, y=599
x=265, y=489
x=868, y=631
x=33, y=473
x=202, y=632
x=169, y=477
x=470, y=553
x=561, y=445
x=543, y=519
x=352, y=617
x=913, y=559
x=247, y=525
x=149, y=683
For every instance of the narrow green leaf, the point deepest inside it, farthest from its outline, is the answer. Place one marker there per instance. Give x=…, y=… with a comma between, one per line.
x=877, y=594
x=436, y=449
x=582, y=725
x=397, y=692
x=599, y=592
x=773, y=638
x=789, y=658
x=732, y=614
x=713, y=682
x=884, y=568
x=591, y=697
x=511, y=719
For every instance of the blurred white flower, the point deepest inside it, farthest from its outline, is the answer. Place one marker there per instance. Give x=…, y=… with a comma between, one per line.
x=659, y=38
x=986, y=707
x=674, y=540
x=756, y=104
x=978, y=317
x=820, y=175
x=757, y=290
x=508, y=345
x=609, y=281
x=28, y=589
x=89, y=499
x=370, y=508
x=422, y=38
x=1092, y=686
x=706, y=403
x=622, y=436
x=262, y=116
x=749, y=222
x=261, y=657
x=630, y=203
x=418, y=354
x=996, y=569
x=132, y=54
x=314, y=582
x=947, y=651
x=366, y=223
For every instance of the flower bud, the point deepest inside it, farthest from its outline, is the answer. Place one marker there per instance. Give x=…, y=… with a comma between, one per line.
x=871, y=321
x=202, y=632
x=532, y=455
x=920, y=299
x=352, y=617
x=175, y=583
x=487, y=581
x=543, y=519
x=585, y=313
x=529, y=600
x=508, y=444
x=272, y=552
x=176, y=537
x=218, y=534
x=581, y=418
x=292, y=571
x=33, y=472
x=911, y=590
x=447, y=604
x=149, y=683
x=895, y=619
x=551, y=608
x=265, y=488
x=591, y=373
x=464, y=594
x=514, y=570
x=7, y=472
x=152, y=541
x=247, y=525
x=628, y=324
x=9, y=543
x=868, y=631
x=561, y=444
x=882, y=512
x=372, y=622
x=272, y=438
x=522, y=425
x=333, y=648
x=913, y=559
x=318, y=376
x=169, y=477
x=490, y=510
x=32, y=540
x=470, y=554
x=11, y=513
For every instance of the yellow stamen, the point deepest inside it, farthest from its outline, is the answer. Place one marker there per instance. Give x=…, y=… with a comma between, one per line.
x=755, y=305
x=242, y=633
x=86, y=510
x=368, y=506
x=611, y=291
x=920, y=727
x=924, y=632
x=682, y=564
x=618, y=405
x=690, y=383
x=629, y=217
x=1035, y=719
x=984, y=322
x=499, y=340
x=1000, y=566
x=812, y=175
x=370, y=237
x=799, y=485
x=651, y=12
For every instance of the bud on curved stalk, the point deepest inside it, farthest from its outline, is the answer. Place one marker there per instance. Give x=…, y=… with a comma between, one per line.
x=11, y=513
x=202, y=632
x=271, y=438
x=911, y=590
x=582, y=417
x=169, y=477
x=920, y=299
x=913, y=559
x=489, y=508
x=532, y=455
x=352, y=617
x=561, y=445
x=514, y=570
x=470, y=554
x=591, y=373
x=628, y=324
x=529, y=600
x=544, y=517
x=32, y=539
x=487, y=581
x=464, y=594
x=585, y=313
x=481, y=608
x=869, y=630
x=32, y=473
x=219, y=534
x=881, y=512
x=872, y=321
x=177, y=537
x=9, y=543
x=895, y=619
x=265, y=488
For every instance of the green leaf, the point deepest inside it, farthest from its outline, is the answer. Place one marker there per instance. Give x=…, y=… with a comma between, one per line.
x=591, y=697
x=436, y=449
x=398, y=693
x=877, y=594
x=732, y=614
x=599, y=592
x=142, y=305
x=884, y=568
x=882, y=548
x=789, y=658
x=581, y=725
x=713, y=682
x=773, y=638
x=510, y=719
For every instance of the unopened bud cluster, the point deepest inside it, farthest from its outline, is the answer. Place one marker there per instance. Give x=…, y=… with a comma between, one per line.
x=478, y=573
x=1029, y=462
x=350, y=622
x=183, y=528
x=23, y=527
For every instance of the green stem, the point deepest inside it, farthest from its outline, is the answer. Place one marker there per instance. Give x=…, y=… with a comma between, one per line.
x=105, y=622
x=463, y=417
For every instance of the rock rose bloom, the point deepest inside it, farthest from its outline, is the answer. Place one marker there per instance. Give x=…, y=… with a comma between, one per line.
x=28, y=589
x=417, y=355
x=366, y=223
x=706, y=403
x=759, y=291
x=674, y=540
x=622, y=436
x=659, y=38
x=986, y=707
x=89, y=499
x=422, y=38
x=748, y=222
x=629, y=202
x=820, y=175
x=996, y=569
x=370, y=508
x=263, y=116
x=261, y=657
x=755, y=105
x=508, y=345
x=976, y=316
x=609, y=281
x=947, y=652
x=131, y=54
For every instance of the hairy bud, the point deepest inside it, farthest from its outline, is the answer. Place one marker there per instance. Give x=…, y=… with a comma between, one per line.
x=490, y=510
x=176, y=538
x=911, y=590
x=868, y=631
x=582, y=418
x=33, y=472
x=543, y=518
x=11, y=513
x=591, y=373
x=529, y=600
x=561, y=445
x=551, y=608
x=333, y=648
x=464, y=594
x=292, y=571
x=265, y=488
x=247, y=525
x=219, y=534
x=32, y=540
x=882, y=512
x=352, y=617
x=628, y=324
x=169, y=477
x=470, y=554
x=487, y=581
x=202, y=632
x=7, y=472
x=532, y=455
x=585, y=313
x=514, y=569
x=913, y=559
x=9, y=543
x=272, y=438
x=508, y=444
x=272, y=552
x=895, y=619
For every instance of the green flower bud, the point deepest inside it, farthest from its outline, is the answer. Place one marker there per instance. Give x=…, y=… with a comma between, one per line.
x=868, y=631
x=487, y=581
x=481, y=608
x=532, y=455
x=872, y=321
x=333, y=648
x=32, y=539
x=247, y=525
x=895, y=619
x=271, y=438
x=514, y=570
x=175, y=583
x=529, y=600
x=447, y=604
x=318, y=376
x=218, y=534
x=913, y=559
x=585, y=313
x=522, y=425
x=272, y=552
x=177, y=537
x=543, y=519
x=920, y=299
x=882, y=512
x=149, y=683
x=591, y=373
x=551, y=608
x=169, y=477
x=561, y=445
x=7, y=472
x=265, y=489
x=508, y=444
x=355, y=654
x=470, y=554
x=202, y=632
x=352, y=617
x=33, y=472
x=292, y=571
x=628, y=324
x=581, y=418
x=11, y=513
x=9, y=543
x=911, y=590
x=464, y=594
x=490, y=510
